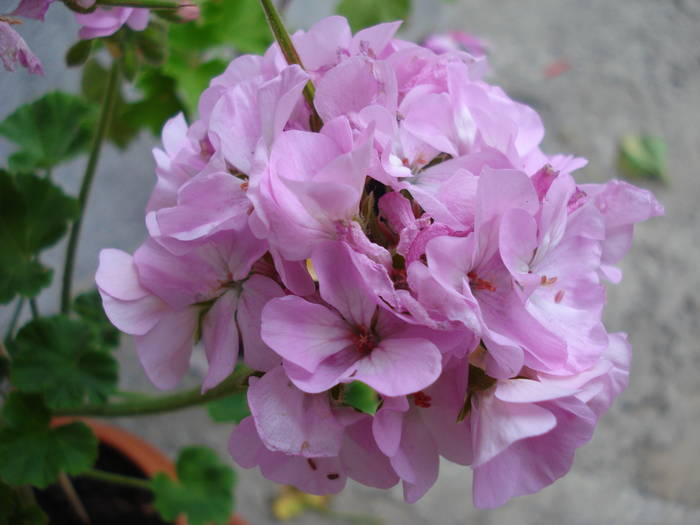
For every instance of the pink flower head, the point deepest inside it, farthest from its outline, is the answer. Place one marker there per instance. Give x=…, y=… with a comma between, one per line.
x=350, y=338
x=106, y=21
x=420, y=246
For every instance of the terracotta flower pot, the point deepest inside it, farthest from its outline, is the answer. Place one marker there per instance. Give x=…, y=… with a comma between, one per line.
x=144, y=455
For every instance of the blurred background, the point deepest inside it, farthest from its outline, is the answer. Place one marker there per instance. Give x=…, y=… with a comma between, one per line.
x=597, y=71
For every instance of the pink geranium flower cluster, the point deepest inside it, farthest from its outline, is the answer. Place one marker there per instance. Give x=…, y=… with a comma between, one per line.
x=419, y=243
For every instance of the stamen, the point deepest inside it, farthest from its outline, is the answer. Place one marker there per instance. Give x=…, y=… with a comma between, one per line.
x=559, y=296
x=364, y=340
x=544, y=281
x=421, y=399
x=480, y=284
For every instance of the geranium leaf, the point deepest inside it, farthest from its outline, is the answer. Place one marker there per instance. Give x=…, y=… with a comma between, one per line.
x=33, y=453
x=88, y=306
x=61, y=359
x=231, y=409
x=34, y=214
x=48, y=131
x=643, y=157
x=365, y=13
x=203, y=491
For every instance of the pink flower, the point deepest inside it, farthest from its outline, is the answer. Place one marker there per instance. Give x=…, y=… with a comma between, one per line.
x=13, y=50
x=161, y=299
x=420, y=244
x=351, y=339
x=302, y=439
x=106, y=21
x=525, y=431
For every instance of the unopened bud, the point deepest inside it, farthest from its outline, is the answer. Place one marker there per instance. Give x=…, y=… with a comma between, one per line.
x=188, y=11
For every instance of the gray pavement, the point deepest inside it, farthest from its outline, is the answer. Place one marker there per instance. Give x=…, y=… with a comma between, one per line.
x=635, y=68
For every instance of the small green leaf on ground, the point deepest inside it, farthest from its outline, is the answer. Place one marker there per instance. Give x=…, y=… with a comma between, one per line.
x=33, y=453
x=48, y=131
x=203, y=491
x=61, y=359
x=34, y=214
x=231, y=409
x=88, y=306
x=643, y=157
x=365, y=13
x=362, y=397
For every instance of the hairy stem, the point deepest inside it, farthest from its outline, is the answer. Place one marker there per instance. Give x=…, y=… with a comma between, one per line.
x=73, y=498
x=274, y=20
x=102, y=127
x=15, y=317
x=34, y=308
x=236, y=382
x=119, y=479
x=149, y=4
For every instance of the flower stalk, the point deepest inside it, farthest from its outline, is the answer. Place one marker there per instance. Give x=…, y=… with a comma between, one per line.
x=279, y=31
x=103, y=125
x=119, y=479
x=236, y=382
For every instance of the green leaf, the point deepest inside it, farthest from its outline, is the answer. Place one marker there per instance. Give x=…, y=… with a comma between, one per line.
x=15, y=511
x=193, y=78
x=201, y=49
x=159, y=101
x=203, y=492
x=231, y=409
x=88, y=306
x=365, y=13
x=79, y=53
x=48, y=131
x=34, y=214
x=240, y=23
x=61, y=359
x=362, y=397
x=152, y=43
x=643, y=157
x=33, y=453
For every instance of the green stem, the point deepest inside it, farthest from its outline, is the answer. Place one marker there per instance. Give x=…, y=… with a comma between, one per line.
x=102, y=127
x=34, y=308
x=15, y=317
x=274, y=20
x=119, y=479
x=236, y=382
x=149, y=4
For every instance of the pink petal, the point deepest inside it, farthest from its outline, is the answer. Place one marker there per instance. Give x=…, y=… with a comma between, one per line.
x=341, y=285
x=397, y=367
x=165, y=351
x=220, y=336
x=302, y=332
x=257, y=292
x=291, y=421
x=496, y=425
